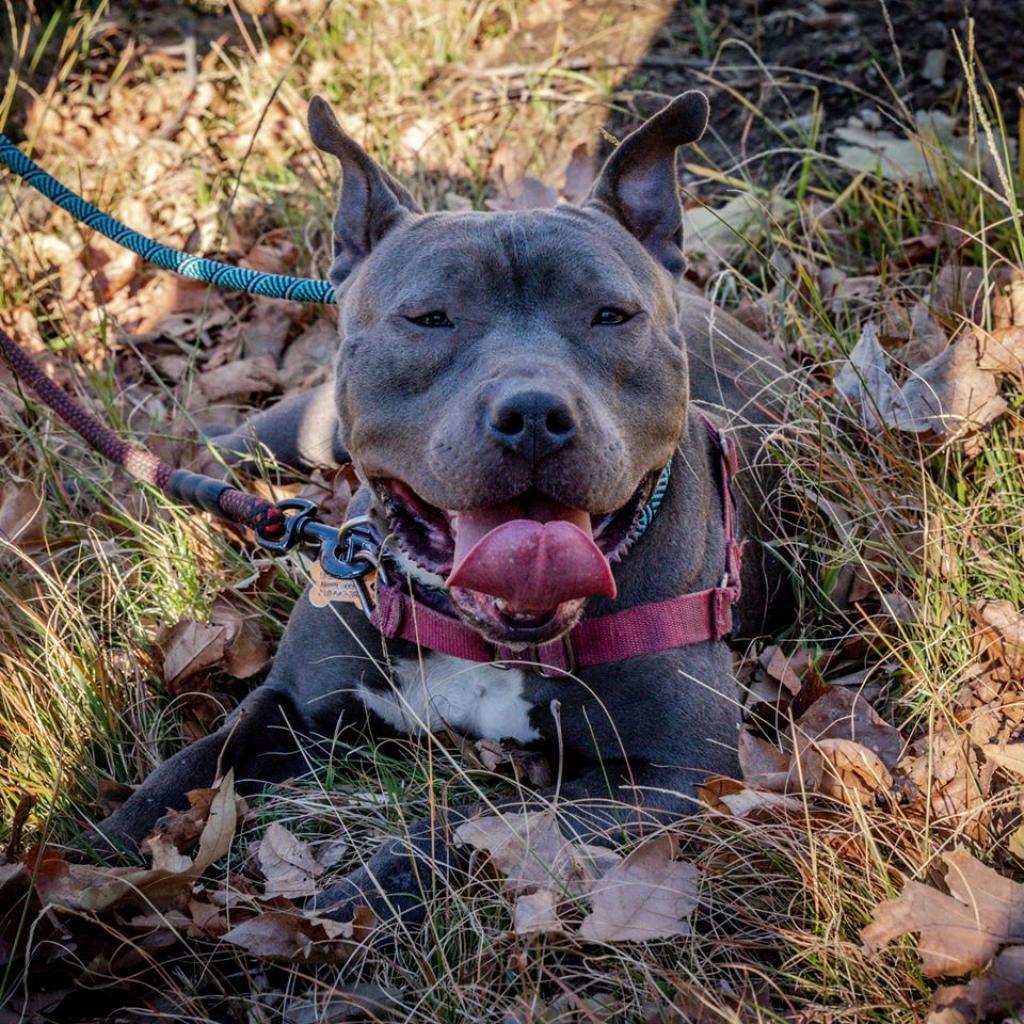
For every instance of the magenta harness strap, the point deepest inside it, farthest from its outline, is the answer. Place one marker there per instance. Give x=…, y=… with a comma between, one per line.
x=646, y=629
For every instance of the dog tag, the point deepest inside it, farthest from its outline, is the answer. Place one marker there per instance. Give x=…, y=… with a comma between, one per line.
x=330, y=589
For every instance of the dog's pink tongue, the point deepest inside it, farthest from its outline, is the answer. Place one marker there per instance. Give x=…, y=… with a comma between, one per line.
x=533, y=564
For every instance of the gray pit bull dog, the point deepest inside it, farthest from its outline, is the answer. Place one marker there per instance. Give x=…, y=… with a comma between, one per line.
x=510, y=388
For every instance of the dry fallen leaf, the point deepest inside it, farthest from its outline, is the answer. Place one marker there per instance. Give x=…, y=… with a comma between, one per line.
x=729, y=796
x=183, y=828
x=236, y=380
x=950, y=393
x=164, y=856
x=287, y=864
x=245, y=651
x=1000, y=632
x=946, y=396
x=216, y=837
x=290, y=935
x=959, y=932
x=1002, y=351
x=163, y=886
x=720, y=232
x=529, y=765
x=743, y=802
x=953, y=779
x=996, y=992
x=536, y=913
x=189, y=648
x=921, y=155
x=787, y=669
x=762, y=764
x=1009, y=756
x=22, y=514
x=530, y=850
x=649, y=895
x=841, y=769
x=308, y=360
x=841, y=713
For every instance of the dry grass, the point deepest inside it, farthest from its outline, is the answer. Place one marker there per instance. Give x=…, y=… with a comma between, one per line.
x=216, y=155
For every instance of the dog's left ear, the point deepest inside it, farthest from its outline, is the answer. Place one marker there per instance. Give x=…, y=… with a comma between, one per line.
x=638, y=184
x=370, y=202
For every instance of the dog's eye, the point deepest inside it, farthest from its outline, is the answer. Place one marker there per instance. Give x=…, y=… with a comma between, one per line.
x=608, y=316
x=435, y=318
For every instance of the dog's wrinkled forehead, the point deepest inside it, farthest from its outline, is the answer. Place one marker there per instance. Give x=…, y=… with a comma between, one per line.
x=528, y=258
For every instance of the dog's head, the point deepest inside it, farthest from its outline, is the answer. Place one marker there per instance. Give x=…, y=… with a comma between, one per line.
x=511, y=385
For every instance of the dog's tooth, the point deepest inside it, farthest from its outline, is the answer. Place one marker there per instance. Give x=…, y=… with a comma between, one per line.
x=501, y=604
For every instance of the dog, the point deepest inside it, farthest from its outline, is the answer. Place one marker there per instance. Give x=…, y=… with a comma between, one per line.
x=556, y=440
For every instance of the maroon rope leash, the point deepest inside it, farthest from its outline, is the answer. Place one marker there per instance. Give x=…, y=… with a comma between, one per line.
x=267, y=520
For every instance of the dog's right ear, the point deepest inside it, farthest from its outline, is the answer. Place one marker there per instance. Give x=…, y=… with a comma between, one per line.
x=370, y=201
x=638, y=184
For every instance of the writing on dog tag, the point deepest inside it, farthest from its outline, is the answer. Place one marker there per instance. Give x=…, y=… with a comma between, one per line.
x=328, y=589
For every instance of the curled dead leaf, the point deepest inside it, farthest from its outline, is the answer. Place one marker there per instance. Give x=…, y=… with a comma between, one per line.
x=842, y=770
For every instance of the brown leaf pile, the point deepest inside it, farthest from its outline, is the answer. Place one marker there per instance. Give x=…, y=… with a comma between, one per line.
x=649, y=894
x=962, y=931
x=957, y=391
x=122, y=915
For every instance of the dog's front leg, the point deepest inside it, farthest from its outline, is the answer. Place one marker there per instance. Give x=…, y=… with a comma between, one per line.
x=257, y=741
x=310, y=695
x=604, y=805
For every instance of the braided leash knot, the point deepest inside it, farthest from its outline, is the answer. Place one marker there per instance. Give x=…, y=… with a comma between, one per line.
x=196, y=268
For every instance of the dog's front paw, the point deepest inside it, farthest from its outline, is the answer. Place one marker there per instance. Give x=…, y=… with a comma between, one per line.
x=390, y=891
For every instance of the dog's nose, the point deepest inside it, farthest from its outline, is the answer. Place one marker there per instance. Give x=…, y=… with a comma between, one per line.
x=532, y=423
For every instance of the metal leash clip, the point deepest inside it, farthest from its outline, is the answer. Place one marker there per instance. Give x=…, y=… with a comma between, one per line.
x=349, y=552
x=362, y=556
x=297, y=528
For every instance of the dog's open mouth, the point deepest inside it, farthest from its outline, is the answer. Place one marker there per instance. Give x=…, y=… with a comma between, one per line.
x=519, y=571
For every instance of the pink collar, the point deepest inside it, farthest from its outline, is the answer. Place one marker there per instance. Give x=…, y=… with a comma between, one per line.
x=646, y=629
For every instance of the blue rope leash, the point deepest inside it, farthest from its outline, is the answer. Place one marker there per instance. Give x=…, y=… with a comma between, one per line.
x=273, y=286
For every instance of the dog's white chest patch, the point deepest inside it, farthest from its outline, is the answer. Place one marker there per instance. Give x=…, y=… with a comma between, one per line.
x=480, y=700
